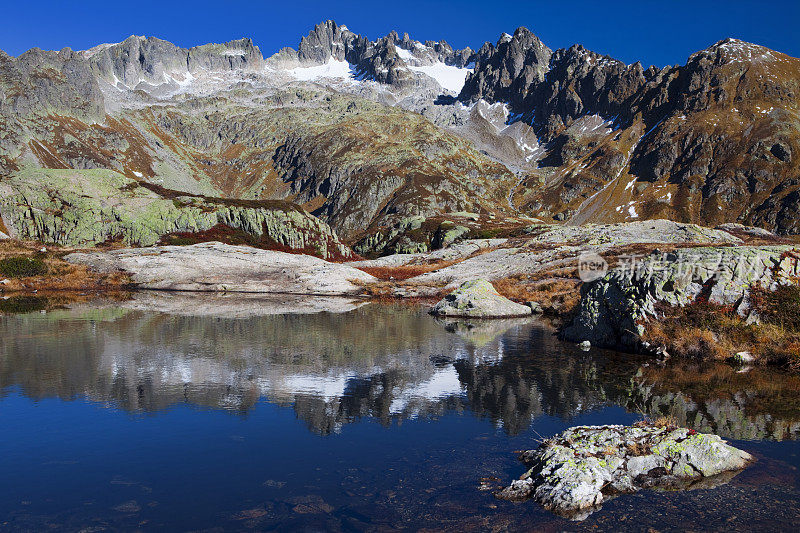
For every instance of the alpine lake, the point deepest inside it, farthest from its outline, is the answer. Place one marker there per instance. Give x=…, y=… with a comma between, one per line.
x=190, y=412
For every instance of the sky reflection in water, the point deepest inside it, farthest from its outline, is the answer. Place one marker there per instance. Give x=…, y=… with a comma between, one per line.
x=181, y=412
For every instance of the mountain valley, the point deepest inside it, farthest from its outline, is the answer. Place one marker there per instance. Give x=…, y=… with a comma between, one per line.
x=392, y=142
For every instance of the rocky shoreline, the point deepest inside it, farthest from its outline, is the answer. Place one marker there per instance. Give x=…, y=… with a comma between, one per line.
x=646, y=270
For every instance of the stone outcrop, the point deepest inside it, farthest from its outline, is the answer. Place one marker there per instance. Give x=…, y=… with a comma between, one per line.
x=614, y=309
x=478, y=299
x=575, y=472
x=218, y=267
x=635, y=232
x=550, y=247
x=88, y=207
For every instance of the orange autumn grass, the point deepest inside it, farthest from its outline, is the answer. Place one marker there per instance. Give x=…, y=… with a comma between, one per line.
x=56, y=274
x=706, y=331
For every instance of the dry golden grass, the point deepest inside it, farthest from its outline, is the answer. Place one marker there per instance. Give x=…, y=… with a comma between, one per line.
x=60, y=276
x=404, y=272
x=388, y=291
x=665, y=422
x=637, y=449
x=559, y=296
x=690, y=342
x=703, y=331
x=609, y=450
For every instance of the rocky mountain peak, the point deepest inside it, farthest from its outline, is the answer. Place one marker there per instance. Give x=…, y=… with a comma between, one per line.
x=679, y=142
x=730, y=49
x=326, y=40
x=46, y=81
x=149, y=62
x=507, y=71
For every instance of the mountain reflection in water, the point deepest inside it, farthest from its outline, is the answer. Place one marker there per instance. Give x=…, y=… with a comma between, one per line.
x=354, y=361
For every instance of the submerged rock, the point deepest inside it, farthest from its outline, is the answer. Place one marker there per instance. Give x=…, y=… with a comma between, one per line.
x=574, y=472
x=478, y=299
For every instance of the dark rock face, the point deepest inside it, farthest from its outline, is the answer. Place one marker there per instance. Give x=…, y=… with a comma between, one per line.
x=719, y=132
x=508, y=70
x=552, y=88
x=370, y=188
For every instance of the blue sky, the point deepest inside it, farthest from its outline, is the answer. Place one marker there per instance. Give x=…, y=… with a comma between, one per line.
x=660, y=33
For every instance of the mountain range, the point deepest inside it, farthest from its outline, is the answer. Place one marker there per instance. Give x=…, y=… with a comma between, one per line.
x=389, y=145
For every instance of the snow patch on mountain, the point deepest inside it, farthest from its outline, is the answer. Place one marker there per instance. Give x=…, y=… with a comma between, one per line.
x=333, y=69
x=448, y=77
x=404, y=54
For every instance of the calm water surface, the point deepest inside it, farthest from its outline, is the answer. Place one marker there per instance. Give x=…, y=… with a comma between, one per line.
x=178, y=413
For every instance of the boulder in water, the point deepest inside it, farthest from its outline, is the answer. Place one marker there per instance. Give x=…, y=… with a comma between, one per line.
x=574, y=472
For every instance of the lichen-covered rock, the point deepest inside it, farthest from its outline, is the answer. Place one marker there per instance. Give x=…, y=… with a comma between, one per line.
x=478, y=299
x=447, y=234
x=574, y=472
x=614, y=309
x=87, y=207
x=644, y=231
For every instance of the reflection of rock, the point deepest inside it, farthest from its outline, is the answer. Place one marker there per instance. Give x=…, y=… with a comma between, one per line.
x=574, y=471
x=331, y=368
x=761, y=405
x=478, y=299
x=384, y=362
x=237, y=305
x=220, y=267
x=480, y=332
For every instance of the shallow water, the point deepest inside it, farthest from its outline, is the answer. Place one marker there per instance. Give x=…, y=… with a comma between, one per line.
x=187, y=412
